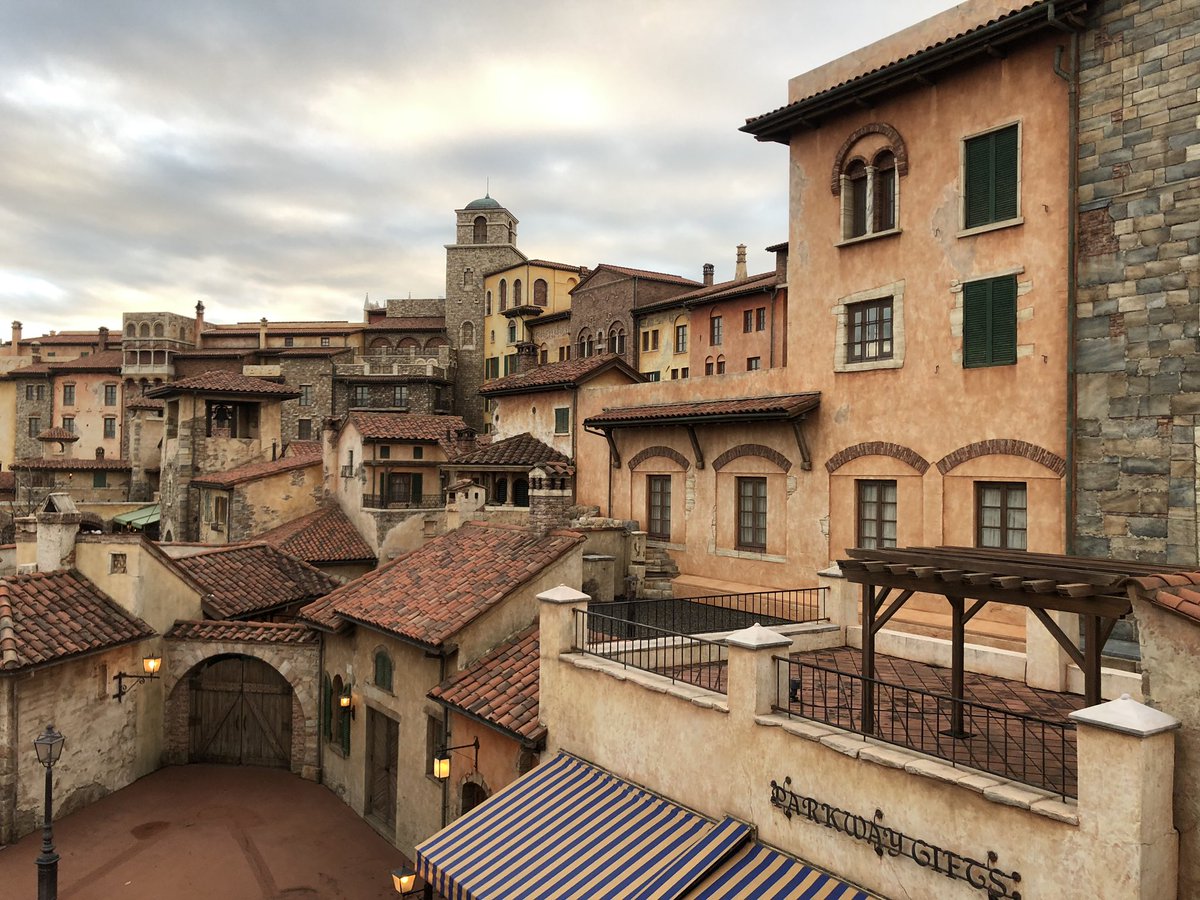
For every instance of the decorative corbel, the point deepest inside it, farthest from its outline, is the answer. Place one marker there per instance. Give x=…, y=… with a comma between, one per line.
x=802, y=443
x=691, y=430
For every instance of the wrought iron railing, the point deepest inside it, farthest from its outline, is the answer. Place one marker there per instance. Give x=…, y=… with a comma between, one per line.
x=724, y=612
x=679, y=657
x=1024, y=748
x=379, y=501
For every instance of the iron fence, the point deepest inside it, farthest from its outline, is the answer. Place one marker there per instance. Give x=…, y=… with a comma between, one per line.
x=679, y=657
x=380, y=501
x=1020, y=747
x=722, y=612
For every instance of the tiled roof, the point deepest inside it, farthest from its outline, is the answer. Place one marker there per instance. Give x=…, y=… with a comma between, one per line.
x=145, y=403
x=50, y=616
x=543, y=263
x=727, y=289
x=304, y=448
x=641, y=273
x=501, y=688
x=746, y=408
x=108, y=359
x=39, y=368
x=265, y=469
x=244, y=328
x=430, y=594
x=249, y=578
x=1178, y=592
x=405, y=426
x=71, y=337
x=257, y=632
x=57, y=434
x=518, y=450
x=221, y=382
x=324, y=536
x=558, y=375
x=70, y=464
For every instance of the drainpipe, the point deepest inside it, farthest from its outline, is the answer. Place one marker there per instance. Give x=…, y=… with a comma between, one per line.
x=1071, y=77
x=445, y=739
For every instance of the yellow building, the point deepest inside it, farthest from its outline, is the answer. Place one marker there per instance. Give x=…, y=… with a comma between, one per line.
x=519, y=294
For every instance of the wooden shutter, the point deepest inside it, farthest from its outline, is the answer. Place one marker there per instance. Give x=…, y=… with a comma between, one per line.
x=990, y=322
x=1003, y=320
x=1004, y=173
x=975, y=324
x=978, y=181
x=991, y=177
x=416, y=493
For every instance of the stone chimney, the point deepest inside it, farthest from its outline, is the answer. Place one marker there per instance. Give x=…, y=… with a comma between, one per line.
x=47, y=538
x=262, y=333
x=15, y=349
x=103, y=338
x=527, y=357
x=708, y=274
x=551, y=496
x=199, y=325
x=465, y=441
x=739, y=271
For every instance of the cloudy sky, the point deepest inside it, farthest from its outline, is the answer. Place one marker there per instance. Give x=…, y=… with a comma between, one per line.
x=284, y=159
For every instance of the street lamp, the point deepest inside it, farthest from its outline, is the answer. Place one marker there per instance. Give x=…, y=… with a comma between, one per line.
x=150, y=667
x=404, y=880
x=49, y=745
x=441, y=760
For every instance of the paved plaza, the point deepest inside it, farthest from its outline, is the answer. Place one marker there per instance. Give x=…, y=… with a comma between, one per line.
x=201, y=832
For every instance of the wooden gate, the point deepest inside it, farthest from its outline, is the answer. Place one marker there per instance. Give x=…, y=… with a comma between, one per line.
x=383, y=749
x=241, y=713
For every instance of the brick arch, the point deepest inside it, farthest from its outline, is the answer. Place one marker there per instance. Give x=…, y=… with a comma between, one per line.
x=877, y=448
x=1003, y=447
x=297, y=663
x=899, y=150
x=751, y=450
x=650, y=452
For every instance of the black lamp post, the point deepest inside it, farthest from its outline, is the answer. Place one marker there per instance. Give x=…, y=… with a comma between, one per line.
x=49, y=745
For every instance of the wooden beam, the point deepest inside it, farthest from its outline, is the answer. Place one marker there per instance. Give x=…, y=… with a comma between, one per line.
x=1091, y=653
x=892, y=610
x=1057, y=633
x=1041, y=586
x=1008, y=582
x=958, y=637
x=978, y=578
x=975, y=607
x=950, y=574
x=802, y=444
x=691, y=430
x=1077, y=590
x=613, y=453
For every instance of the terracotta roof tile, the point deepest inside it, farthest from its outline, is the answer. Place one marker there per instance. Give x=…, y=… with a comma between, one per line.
x=265, y=469
x=558, y=375
x=140, y=402
x=245, y=579
x=57, y=434
x=50, y=616
x=642, y=273
x=70, y=464
x=108, y=359
x=743, y=408
x=1176, y=591
x=430, y=594
x=218, y=381
x=324, y=536
x=71, y=337
x=501, y=688
x=257, y=632
x=405, y=426
x=518, y=450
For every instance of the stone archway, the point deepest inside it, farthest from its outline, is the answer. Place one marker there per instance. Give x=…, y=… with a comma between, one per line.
x=292, y=651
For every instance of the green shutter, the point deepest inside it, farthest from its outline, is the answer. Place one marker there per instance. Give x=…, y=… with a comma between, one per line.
x=327, y=709
x=975, y=324
x=978, y=181
x=416, y=493
x=1004, y=320
x=1005, y=174
x=990, y=180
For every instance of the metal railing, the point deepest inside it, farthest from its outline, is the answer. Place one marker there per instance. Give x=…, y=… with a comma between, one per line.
x=724, y=612
x=379, y=501
x=679, y=657
x=1024, y=748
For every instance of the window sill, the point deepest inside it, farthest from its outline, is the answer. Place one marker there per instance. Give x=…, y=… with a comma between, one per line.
x=991, y=226
x=863, y=238
x=869, y=365
x=751, y=554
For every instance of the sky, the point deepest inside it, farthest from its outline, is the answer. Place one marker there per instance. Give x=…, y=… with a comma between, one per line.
x=289, y=159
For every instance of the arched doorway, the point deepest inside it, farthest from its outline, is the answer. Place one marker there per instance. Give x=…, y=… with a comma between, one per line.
x=472, y=795
x=240, y=713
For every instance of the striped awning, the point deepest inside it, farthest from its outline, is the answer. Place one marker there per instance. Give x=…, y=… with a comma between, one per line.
x=571, y=830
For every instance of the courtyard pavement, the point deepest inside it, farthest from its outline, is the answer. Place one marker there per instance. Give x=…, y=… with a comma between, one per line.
x=204, y=832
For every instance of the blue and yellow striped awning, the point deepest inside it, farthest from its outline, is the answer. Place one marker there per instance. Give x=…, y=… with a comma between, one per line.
x=571, y=830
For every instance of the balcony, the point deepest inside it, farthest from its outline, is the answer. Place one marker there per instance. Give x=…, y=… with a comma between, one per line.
x=379, y=501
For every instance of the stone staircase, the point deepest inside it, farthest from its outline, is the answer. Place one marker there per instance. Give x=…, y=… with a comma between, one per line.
x=660, y=570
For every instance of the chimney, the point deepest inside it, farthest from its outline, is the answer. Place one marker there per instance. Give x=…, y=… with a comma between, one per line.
x=199, y=324
x=57, y=524
x=35, y=349
x=15, y=350
x=739, y=271
x=527, y=357
x=464, y=441
x=262, y=333
x=103, y=338
x=708, y=274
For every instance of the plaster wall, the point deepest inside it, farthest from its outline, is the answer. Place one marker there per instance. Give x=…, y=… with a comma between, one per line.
x=89, y=411
x=260, y=505
x=149, y=587
x=8, y=423
x=500, y=760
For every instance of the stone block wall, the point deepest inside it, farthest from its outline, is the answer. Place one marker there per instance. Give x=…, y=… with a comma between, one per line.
x=1137, y=312
x=315, y=371
x=26, y=445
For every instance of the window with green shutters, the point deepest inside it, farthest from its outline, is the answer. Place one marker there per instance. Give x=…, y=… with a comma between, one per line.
x=990, y=178
x=990, y=322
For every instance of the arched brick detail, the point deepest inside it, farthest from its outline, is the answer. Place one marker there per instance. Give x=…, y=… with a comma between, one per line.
x=751, y=450
x=899, y=150
x=650, y=452
x=299, y=664
x=1004, y=447
x=877, y=448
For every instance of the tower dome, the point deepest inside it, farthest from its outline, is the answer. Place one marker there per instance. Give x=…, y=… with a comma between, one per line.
x=485, y=202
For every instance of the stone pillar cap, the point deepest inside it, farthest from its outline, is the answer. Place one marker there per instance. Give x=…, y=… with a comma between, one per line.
x=563, y=594
x=756, y=637
x=1127, y=716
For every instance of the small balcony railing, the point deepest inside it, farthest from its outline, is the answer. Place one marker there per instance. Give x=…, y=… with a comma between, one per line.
x=379, y=501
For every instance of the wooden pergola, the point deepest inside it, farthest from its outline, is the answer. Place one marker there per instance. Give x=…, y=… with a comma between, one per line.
x=971, y=577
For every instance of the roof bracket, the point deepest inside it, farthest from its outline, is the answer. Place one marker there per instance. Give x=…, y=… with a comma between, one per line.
x=691, y=430
x=613, y=453
x=802, y=444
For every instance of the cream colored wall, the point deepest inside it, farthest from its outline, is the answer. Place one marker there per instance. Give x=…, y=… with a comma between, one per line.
x=150, y=587
x=534, y=413
x=8, y=423
x=348, y=492
x=558, y=284
x=89, y=411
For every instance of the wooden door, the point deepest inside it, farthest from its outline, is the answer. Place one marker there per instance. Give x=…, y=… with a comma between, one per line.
x=383, y=749
x=241, y=713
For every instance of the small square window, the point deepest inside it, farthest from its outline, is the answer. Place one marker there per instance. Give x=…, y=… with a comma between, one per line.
x=304, y=429
x=100, y=479
x=869, y=330
x=117, y=563
x=289, y=342
x=562, y=420
x=653, y=376
x=418, y=452
x=753, y=363
x=385, y=452
x=362, y=395
x=325, y=342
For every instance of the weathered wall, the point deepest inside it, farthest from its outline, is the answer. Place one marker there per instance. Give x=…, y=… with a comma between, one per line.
x=1138, y=301
x=145, y=583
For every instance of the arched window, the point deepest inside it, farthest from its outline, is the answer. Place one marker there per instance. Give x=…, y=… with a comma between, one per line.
x=383, y=670
x=159, y=331
x=884, y=193
x=408, y=343
x=144, y=331
x=500, y=491
x=487, y=306
x=512, y=232
x=380, y=345
x=512, y=331
x=540, y=292
x=503, y=295
x=720, y=365
x=708, y=365
x=130, y=330
x=472, y=795
x=543, y=354
x=467, y=339
x=601, y=341
x=854, y=200
x=517, y=292
x=866, y=175
x=436, y=341
x=583, y=344
x=480, y=230
x=591, y=345
x=617, y=338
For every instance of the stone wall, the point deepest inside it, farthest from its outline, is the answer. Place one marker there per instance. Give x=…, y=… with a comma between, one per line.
x=312, y=371
x=28, y=445
x=1138, y=307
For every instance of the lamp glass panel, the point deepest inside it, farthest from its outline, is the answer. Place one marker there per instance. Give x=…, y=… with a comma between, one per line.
x=151, y=664
x=441, y=766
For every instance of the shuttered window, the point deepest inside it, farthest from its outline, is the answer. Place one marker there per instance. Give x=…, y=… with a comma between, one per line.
x=990, y=322
x=991, y=177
